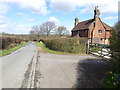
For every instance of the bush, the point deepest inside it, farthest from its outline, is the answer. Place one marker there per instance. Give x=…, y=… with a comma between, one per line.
x=71, y=45
x=113, y=79
x=8, y=41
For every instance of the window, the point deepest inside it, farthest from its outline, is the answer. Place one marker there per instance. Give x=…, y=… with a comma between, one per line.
x=100, y=31
x=78, y=32
x=85, y=30
x=107, y=30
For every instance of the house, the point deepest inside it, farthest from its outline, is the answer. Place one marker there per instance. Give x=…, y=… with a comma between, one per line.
x=94, y=29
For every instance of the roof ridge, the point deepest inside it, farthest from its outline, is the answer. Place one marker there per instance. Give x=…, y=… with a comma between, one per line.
x=86, y=20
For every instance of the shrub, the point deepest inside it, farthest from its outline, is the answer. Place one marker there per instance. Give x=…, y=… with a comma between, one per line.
x=71, y=45
x=112, y=79
x=8, y=41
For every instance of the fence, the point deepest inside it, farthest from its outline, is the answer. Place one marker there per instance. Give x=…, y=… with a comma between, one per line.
x=100, y=50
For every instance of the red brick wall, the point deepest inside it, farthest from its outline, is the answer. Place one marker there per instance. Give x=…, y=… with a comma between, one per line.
x=108, y=35
x=99, y=26
x=82, y=33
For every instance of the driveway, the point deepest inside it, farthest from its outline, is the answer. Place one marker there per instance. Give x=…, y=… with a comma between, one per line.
x=69, y=71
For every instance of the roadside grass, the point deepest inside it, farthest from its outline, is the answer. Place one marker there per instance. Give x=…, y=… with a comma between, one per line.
x=14, y=48
x=47, y=50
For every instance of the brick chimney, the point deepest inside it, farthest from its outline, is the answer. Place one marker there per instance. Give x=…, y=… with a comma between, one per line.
x=96, y=18
x=76, y=21
x=96, y=12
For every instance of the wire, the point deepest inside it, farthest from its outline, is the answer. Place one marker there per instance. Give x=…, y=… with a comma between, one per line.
x=91, y=3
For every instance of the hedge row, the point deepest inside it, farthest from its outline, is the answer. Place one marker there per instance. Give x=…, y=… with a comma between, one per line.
x=71, y=45
x=9, y=41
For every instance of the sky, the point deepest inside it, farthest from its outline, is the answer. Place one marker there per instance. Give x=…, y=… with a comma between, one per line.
x=18, y=16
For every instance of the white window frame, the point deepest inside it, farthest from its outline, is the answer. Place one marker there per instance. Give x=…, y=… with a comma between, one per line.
x=100, y=31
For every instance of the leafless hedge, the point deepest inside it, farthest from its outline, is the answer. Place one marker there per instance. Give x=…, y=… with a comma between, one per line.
x=9, y=41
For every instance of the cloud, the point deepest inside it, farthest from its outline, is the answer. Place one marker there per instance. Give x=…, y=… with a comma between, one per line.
x=67, y=6
x=55, y=20
x=64, y=7
x=10, y=26
x=30, y=19
x=36, y=6
x=3, y=8
x=20, y=13
x=111, y=17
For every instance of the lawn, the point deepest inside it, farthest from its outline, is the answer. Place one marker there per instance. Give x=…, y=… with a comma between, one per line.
x=10, y=50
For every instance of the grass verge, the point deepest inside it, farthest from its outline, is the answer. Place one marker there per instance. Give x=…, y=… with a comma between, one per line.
x=45, y=49
x=10, y=50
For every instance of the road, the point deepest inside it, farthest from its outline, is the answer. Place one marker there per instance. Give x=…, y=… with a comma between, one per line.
x=29, y=67
x=15, y=65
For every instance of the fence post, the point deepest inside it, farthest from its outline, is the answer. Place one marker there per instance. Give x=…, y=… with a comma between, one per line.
x=87, y=47
x=101, y=52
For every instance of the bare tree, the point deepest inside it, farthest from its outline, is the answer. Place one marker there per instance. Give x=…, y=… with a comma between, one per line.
x=48, y=27
x=61, y=30
x=36, y=30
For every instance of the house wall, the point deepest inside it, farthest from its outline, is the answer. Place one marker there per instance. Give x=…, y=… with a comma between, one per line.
x=74, y=33
x=108, y=35
x=97, y=37
x=98, y=26
x=81, y=33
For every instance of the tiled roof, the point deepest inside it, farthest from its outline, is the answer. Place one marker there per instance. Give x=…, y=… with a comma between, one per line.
x=86, y=24
x=107, y=26
x=83, y=25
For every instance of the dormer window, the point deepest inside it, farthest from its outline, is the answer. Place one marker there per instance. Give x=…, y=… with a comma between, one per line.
x=100, y=31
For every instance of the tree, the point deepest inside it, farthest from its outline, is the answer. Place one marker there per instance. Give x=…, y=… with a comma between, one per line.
x=61, y=30
x=115, y=47
x=36, y=30
x=48, y=27
x=115, y=53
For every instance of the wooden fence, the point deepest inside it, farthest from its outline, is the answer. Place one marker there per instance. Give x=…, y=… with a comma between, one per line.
x=100, y=50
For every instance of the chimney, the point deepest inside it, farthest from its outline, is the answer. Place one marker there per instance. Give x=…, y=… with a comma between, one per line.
x=76, y=21
x=96, y=12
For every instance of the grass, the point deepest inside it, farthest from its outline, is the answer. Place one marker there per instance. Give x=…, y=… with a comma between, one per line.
x=45, y=49
x=10, y=50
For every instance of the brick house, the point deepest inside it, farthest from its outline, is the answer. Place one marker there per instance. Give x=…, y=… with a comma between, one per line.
x=94, y=29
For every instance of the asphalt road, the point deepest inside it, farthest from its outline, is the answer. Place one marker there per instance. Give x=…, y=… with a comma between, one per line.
x=15, y=65
x=29, y=67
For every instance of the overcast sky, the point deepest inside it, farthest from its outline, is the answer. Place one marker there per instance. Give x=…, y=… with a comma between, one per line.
x=18, y=16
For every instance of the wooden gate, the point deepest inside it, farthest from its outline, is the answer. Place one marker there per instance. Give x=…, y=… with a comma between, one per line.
x=100, y=50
